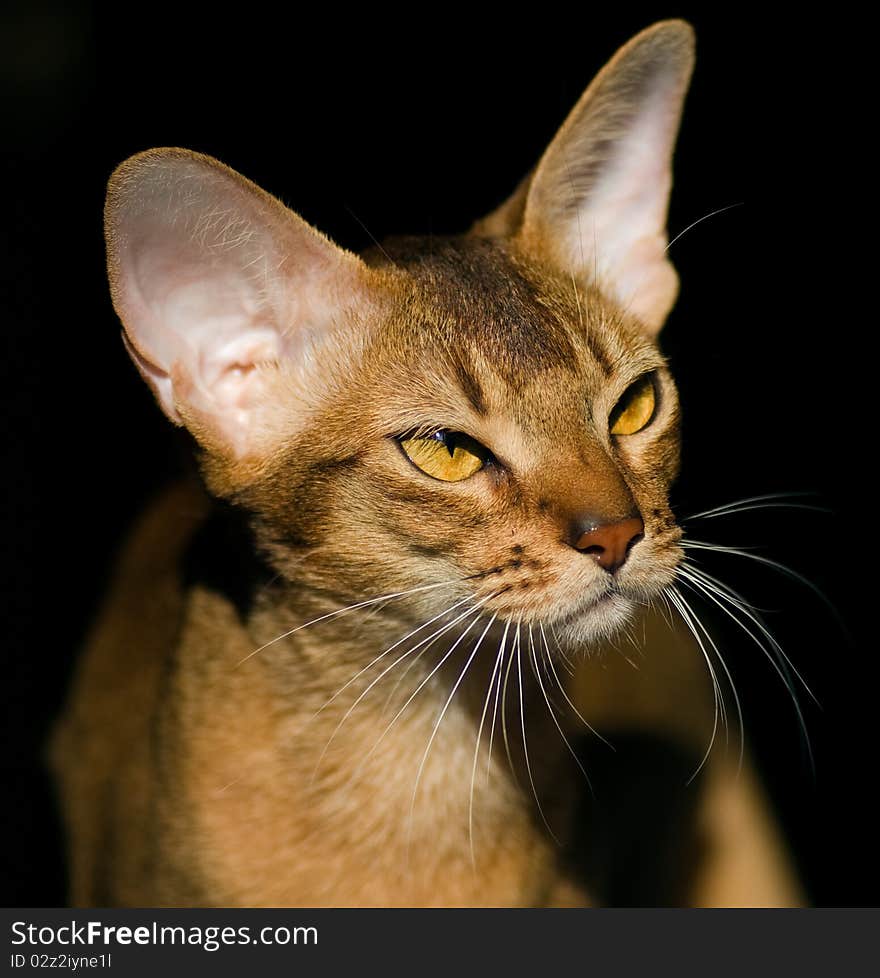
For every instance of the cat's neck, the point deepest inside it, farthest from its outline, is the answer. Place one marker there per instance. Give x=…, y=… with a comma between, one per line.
x=456, y=704
x=396, y=770
x=448, y=716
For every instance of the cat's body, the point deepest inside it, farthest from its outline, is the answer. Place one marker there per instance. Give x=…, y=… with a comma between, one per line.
x=234, y=736
x=179, y=792
x=211, y=781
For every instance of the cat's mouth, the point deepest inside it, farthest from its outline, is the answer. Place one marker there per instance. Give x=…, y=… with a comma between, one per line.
x=596, y=616
x=611, y=597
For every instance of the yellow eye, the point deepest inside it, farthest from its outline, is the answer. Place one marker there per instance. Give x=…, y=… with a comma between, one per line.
x=635, y=409
x=447, y=455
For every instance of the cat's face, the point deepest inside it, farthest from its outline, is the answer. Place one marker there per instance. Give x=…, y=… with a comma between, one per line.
x=486, y=418
x=516, y=396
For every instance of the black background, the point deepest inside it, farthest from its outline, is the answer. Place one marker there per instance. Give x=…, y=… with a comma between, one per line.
x=419, y=121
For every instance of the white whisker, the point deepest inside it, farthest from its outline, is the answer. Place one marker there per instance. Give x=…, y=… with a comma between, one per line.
x=513, y=647
x=690, y=544
x=496, y=671
x=772, y=500
x=495, y=706
x=427, y=678
x=700, y=220
x=522, y=721
x=431, y=638
x=736, y=600
x=343, y=611
x=719, y=595
x=449, y=698
x=680, y=605
x=727, y=673
x=553, y=713
x=569, y=665
x=561, y=686
x=391, y=648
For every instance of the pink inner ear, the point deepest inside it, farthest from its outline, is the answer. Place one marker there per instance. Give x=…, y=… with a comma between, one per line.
x=598, y=199
x=618, y=235
x=648, y=284
x=212, y=278
x=204, y=314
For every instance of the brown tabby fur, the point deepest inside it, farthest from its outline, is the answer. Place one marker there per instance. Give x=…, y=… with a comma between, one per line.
x=195, y=772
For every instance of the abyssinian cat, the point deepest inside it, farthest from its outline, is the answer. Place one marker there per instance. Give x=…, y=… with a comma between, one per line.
x=440, y=474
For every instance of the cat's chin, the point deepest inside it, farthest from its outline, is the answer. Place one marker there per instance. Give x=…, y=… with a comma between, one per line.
x=595, y=623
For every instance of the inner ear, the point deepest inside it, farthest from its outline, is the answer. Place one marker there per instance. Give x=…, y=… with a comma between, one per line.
x=595, y=206
x=217, y=285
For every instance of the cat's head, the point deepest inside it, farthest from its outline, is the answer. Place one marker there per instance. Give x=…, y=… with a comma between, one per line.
x=488, y=413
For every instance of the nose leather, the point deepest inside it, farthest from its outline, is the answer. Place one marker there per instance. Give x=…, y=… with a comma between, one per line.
x=609, y=544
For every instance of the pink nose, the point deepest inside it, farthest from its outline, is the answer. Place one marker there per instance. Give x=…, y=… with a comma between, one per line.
x=610, y=543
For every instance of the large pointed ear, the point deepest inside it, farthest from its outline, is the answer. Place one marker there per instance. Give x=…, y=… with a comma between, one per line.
x=217, y=284
x=595, y=205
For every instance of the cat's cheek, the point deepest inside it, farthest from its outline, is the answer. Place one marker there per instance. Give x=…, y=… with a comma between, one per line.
x=652, y=571
x=651, y=464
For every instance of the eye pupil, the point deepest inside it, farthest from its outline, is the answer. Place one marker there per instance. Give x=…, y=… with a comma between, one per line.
x=448, y=439
x=462, y=456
